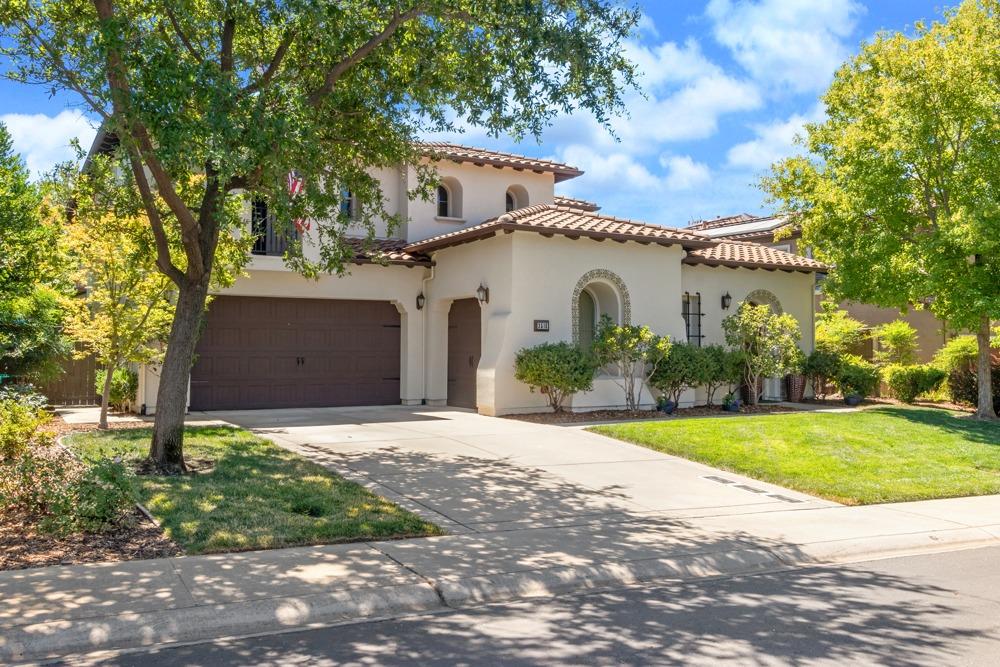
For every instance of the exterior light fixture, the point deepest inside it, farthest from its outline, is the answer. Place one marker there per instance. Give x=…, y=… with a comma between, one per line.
x=421, y=300
x=726, y=301
x=483, y=293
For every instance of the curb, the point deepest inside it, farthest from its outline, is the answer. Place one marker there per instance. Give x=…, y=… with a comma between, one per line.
x=132, y=631
x=58, y=639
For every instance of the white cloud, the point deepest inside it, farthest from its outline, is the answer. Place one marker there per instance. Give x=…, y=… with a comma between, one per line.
x=683, y=173
x=773, y=141
x=44, y=140
x=616, y=170
x=794, y=43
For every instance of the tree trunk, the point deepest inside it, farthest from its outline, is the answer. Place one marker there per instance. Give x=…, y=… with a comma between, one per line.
x=109, y=372
x=983, y=372
x=167, y=449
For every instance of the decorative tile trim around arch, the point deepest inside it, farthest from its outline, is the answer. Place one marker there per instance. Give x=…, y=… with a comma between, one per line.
x=763, y=296
x=589, y=277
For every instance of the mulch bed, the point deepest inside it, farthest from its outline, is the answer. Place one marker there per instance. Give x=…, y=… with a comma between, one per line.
x=22, y=545
x=135, y=538
x=623, y=415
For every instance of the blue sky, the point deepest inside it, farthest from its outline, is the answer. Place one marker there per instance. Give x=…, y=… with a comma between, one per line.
x=728, y=84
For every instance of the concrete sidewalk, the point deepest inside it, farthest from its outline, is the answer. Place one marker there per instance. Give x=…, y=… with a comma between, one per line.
x=50, y=612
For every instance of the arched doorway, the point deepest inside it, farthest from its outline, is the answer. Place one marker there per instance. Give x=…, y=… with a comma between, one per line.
x=773, y=389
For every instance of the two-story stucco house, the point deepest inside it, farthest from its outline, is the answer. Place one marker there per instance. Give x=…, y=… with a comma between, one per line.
x=497, y=263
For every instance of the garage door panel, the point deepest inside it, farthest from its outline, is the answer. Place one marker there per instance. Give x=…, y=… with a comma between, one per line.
x=248, y=354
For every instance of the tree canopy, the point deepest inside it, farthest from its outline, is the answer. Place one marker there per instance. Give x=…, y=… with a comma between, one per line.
x=900, y=189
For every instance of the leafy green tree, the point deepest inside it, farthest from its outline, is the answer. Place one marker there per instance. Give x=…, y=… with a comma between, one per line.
x=820, y=368
x=243, y=93
x=767, y=341
x=897, y=343
x=633, y=351
x=716, y=371
x=898, y=191
x=23, y=239
x=557, y=369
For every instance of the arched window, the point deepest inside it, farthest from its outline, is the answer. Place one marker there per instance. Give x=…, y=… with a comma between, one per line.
x=348, y=205
x=443, y=202
x=587, y=319
x=516, y=197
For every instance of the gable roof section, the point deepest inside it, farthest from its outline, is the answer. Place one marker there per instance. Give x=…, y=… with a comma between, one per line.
x=549, y=219
x=573, y=202
x=480, y=156
x=752, y=255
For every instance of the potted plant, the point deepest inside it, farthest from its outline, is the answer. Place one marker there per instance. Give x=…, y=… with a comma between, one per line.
x=665, y=405
x=795, y=381
x=730, y=403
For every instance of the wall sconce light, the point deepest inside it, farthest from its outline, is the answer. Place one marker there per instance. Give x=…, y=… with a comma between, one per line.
x=421, y=300
x=483, y=293
x=726, y=301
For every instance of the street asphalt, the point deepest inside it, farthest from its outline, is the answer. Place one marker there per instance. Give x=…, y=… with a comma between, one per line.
x=936, y=609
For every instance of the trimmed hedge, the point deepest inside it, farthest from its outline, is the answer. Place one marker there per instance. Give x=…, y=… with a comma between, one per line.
x=908, y=382
x=856, y=376
x=559, y=370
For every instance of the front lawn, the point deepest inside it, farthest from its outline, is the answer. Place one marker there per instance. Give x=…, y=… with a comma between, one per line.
x=252, y=494
x=878, y=455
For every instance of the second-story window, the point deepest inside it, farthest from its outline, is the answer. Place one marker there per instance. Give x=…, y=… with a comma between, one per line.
x=691, y=312
x=258, y=226
x=443, y=202
x=348, y=205
x=510, y=204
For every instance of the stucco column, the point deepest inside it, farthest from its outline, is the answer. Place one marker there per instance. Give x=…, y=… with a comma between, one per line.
x=436, y=346
x=411, y=352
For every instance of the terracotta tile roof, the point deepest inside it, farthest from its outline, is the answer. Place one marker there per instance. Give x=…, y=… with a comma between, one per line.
x=754, y=255
x=482, y=156
x=737, y=219
x=385, y=251
x=573, y=202
x=548, y=219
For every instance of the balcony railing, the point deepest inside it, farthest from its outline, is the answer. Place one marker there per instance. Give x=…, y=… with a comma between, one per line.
x=268, y=238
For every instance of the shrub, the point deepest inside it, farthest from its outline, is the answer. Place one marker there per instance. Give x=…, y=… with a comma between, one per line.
x=66, y=495
x=958, y=353
x=963, y=386
x=838, y=332
x=856, y=376
x=908, y=382
x=820, y=368
x=634, y=351
x=721, y=369
x=24, y=394
x=18, y=426
x=558, y=369
x=124, y=386
x=682, y=367
x=897, y=343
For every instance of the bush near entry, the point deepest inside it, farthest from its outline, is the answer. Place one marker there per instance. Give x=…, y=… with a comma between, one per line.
x=124, y=385
x=559, y=370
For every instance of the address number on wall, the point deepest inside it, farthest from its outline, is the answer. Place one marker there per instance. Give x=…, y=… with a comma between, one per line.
x=541, y=325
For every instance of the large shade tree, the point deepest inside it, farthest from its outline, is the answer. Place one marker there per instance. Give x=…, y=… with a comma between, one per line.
x=900, y=190
x=244, y=92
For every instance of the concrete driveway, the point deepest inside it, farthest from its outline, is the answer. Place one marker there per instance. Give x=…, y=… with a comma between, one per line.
x=476, y=474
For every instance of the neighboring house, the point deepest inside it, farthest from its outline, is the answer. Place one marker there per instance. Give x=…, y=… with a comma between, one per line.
x=497, y=263
x=931, y=332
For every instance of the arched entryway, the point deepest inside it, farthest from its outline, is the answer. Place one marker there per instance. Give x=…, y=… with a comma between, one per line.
x=598, y=293
x=773, y=387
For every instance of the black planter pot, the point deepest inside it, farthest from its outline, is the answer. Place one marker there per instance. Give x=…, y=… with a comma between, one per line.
x=853, y=399
x=734, y=406
x=668, y=407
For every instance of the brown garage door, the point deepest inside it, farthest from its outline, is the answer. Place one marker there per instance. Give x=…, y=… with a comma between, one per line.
x=260, y=352
x=464, y=348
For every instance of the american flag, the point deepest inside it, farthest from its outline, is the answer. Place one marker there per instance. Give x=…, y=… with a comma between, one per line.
x=295, y=185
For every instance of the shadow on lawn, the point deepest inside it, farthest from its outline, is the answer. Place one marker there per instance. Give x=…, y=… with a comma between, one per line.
x=963, y=425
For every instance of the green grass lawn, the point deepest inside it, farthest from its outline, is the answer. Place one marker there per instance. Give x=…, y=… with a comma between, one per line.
x=256, y=495
x=878, y=455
